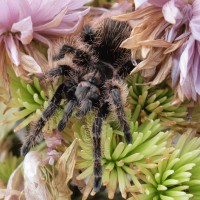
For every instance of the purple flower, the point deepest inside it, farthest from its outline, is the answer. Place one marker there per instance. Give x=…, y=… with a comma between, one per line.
x=187, y=58
x=52, y=156
x=23, y=20
x=53, y=140
x=167, y=35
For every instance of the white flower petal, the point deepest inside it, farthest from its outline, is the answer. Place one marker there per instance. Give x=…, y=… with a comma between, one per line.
x=29, y=64
x=34, y=186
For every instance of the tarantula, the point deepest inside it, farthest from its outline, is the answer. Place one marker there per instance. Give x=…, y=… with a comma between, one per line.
x=94, y=67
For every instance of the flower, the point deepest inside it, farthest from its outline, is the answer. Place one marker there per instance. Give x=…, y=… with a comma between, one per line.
x=167, y=33
x=52, y=155
x=23, y=20
x=54, y=139
x=34, y=184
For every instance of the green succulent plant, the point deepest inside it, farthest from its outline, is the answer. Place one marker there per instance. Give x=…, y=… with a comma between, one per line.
x=29, y=98
x=154, y=102
x=177, y=176
x=120, y=160
x=7, y=166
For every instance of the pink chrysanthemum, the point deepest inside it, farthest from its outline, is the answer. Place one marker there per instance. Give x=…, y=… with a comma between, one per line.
x=21, y=21
x=167, y=35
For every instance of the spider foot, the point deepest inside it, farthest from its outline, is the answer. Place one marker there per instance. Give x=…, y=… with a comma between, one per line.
x=24, y=150
x=97, y=184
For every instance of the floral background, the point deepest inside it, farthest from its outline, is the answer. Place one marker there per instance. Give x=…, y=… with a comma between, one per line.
x=163, y=110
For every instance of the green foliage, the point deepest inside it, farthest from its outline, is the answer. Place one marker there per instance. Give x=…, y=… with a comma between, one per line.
x=154, y=102
x=9, y=164
x=28, y=97
x=120, y=160
x=177, y=176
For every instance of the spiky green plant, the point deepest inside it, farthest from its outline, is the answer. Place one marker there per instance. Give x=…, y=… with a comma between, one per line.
x=154, y=102
x=29, y=98
x=120, y=160
x=7, y=166
x=177, y=176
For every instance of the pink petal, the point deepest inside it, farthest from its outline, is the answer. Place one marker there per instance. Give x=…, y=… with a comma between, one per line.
x=188, y=87
x=158, y=3
x=186, y=59
x=3, y=70
x=29, y=64
x=9, y=13
x=175, y=65
x=12, y=49
x=140, y=3
x=41, y=38
x=172, y=33
x=170, y=12
x=44, y=11
x=195, y=21
x=175, y=69
x=122, y=7
x=53, y=140
x=63, y=29
x=25, y=28
x=76, y=4
x=196, y=68
x=54, y=23
x=15, y=183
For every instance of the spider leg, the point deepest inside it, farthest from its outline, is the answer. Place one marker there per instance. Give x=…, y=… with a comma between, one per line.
x=81, y=58
x=86, y=106
x=117, y=103
x=96, y=133
x=67, y=114
x=88, y=34
x=35, y=134
x=64, y=50
x=61, y=70
x=127, y=68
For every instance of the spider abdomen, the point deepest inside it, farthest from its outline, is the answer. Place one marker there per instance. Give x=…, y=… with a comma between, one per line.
x=106, y=39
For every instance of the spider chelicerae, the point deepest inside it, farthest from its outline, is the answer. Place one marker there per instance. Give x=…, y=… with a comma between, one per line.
x=94, y=67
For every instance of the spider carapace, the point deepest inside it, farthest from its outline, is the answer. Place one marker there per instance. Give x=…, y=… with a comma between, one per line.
x=94, y=66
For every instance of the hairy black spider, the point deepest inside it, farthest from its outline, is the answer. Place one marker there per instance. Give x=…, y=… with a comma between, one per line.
x=94, y=67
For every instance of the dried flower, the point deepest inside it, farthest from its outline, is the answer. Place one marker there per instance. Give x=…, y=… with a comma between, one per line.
x=6, y=128
x=58, y=177
x=52, y=156
x=14, y=186
x=34, y=186
x=166, y=32
x=54, y=139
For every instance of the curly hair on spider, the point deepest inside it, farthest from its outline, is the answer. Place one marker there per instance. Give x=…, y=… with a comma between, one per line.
x=94, y=66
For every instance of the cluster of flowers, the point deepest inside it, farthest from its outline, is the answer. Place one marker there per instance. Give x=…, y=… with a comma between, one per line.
x=166, y=33
x=155, y=166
